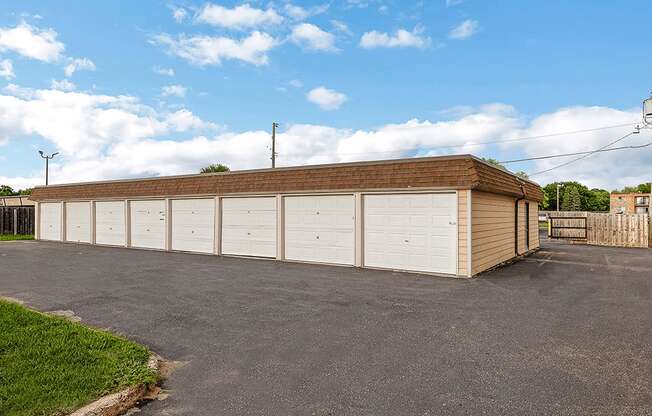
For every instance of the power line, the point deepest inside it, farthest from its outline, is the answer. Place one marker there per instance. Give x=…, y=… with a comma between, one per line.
x=520, y=139
x=505, y=162
x=586, y=155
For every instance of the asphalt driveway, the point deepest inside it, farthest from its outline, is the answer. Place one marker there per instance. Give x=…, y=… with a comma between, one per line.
x=566, y=331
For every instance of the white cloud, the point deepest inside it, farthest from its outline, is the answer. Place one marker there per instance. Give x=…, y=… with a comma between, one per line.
x=164, y=71
x=63, y=85
x=400, y=39
x=311, y=37
x=240, y=17
x=326, y=99
x=341, y=27
x=78, y=64
x=609, y=170
x=211, y=50
x=82, y=126
x=179, y=14
x=7, y=69
x=31, y=42
x=464, y=30
x=176, y=90
x=301, y=13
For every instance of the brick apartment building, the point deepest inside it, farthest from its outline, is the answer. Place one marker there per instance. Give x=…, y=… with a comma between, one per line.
x=631, y=203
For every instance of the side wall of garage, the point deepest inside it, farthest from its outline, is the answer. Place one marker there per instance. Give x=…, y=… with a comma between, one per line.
x=493, y=231
x=463, y=232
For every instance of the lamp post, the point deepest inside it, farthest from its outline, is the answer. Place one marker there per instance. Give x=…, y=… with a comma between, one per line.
x=47, y=160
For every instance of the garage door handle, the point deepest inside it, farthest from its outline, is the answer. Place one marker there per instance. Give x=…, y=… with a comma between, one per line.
x=407, y=241
x=452, y=223
x=317, y=237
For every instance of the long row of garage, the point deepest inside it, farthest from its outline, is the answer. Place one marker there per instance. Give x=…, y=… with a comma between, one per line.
x=415, y=231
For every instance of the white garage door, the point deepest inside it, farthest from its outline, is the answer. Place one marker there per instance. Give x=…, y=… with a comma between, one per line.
x=50, y=221
x=148, y=224
x=78, y=222
x=320, y=228
x=193, y=225
x=110, y=223
x=411, y=232
x=249, y=226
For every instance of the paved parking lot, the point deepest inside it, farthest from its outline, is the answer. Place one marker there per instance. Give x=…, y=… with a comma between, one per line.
x=567, y=331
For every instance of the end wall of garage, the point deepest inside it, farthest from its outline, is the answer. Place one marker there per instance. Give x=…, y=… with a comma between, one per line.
x=492, y=237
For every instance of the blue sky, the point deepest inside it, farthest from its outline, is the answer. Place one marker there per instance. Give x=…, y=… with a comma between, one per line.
x=157, y=88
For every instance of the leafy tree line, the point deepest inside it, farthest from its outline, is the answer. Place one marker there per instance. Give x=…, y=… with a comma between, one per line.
x=6, y=190
x=573, y=196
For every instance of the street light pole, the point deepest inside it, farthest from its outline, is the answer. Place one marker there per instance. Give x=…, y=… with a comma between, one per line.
x=47, y=164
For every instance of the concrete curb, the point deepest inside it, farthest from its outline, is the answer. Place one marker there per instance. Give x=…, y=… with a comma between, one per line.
x=118, y=403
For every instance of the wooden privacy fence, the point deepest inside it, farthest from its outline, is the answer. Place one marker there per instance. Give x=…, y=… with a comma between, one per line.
x=17, y=220
x=622, y=230
x=602, y=229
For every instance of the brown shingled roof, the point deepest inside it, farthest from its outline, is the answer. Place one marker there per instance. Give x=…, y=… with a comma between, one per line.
x=448, y=172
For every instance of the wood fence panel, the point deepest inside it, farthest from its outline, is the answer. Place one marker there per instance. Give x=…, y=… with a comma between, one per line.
x=621, y=230
x=17, y=220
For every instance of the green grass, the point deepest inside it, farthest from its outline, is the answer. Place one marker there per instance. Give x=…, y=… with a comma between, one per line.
x=51, y=366
x=12, y=237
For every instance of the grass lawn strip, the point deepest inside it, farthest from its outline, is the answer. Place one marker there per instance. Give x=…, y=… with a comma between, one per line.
x=13, y=237
x=51, y=366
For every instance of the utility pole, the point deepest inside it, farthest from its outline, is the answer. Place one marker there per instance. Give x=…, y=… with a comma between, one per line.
x=47, y=160
x=274, y=126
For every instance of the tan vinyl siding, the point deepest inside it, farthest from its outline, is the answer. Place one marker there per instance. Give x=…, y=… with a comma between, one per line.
x=534, y=225
x=522, y=247
x=492, y=220
x=493, y=229
x=462, y=227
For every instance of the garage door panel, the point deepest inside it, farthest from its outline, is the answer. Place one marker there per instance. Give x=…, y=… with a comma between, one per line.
x=320, y=228
x=411, y=232
x=78, y=222
x=110, y=223
x=50, y=221
x=193, y=225
x=148, y=224
x=249, y=226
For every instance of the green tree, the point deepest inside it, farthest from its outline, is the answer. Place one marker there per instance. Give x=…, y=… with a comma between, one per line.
x=645, y=188
x=572, y=199
x=492, y=161
x=641, y=187
x=215, y=167
x=6, y=190
x=599, y=200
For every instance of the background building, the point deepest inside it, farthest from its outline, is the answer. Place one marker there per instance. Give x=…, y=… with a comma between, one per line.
x=631, y=203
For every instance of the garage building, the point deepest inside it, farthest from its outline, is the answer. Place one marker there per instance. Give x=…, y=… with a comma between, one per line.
x=450, y=215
